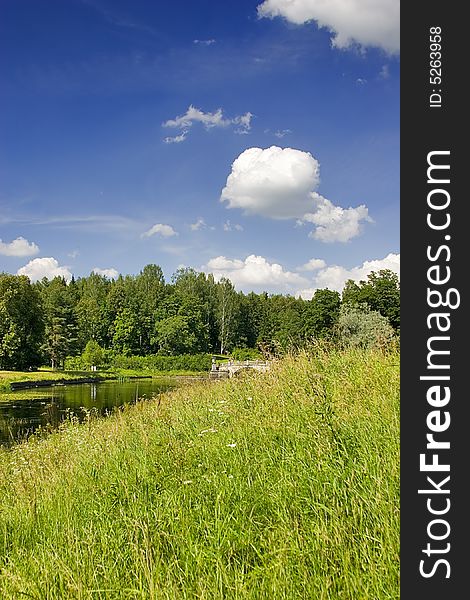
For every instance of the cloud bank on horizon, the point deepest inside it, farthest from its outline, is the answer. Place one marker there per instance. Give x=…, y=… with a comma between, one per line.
x=255, y=272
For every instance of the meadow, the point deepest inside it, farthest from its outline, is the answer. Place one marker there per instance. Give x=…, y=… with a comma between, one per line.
x=278, y=485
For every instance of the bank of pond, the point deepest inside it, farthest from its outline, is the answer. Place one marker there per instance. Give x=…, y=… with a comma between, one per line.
x=43, y=407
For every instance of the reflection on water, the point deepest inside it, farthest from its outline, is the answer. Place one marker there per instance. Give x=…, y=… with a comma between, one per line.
x=21, y=417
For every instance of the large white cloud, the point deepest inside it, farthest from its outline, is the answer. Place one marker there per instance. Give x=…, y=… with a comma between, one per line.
x=279, y=183
x=44, y=267
x=334, y=277
x=160, y=229
x=365, y=22
x=272, y=182
x=255, y=272
x=18, y=247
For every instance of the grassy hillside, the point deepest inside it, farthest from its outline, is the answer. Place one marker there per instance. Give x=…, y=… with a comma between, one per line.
x=282, y=485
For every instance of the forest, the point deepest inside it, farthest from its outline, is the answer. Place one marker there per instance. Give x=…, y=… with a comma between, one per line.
x=52, y=321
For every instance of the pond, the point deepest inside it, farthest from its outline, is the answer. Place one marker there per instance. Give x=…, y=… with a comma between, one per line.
x=23, y=412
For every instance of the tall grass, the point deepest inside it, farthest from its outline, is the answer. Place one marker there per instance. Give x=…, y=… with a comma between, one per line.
x=273, y=486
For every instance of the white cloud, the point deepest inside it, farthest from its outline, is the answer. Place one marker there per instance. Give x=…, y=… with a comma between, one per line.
x=18, y=247
x=384, y=72
x=272, y=182
x=361, y=81
x=204, y=42
x=335, y=224
x=109, y=273
x=228, y=226
x=255, y=272
x=199, y=224
x=278, y=182
x=334, y=277
x=195, y=115
x=208, y=120
x=160, y=229
x=282, y=133
x=44, y=267
x=74, y=254
x=245, y=123
x=365, y=22
x=312, y=265
x=177, y=139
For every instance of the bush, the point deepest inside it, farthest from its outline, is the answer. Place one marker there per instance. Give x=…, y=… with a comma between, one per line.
x=360, y=327
x=246, y=354
x=74, y=363
x=156, y=362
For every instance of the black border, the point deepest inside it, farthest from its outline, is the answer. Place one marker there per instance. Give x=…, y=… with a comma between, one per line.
x=425, y=129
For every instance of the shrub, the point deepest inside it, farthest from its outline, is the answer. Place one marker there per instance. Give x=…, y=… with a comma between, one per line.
x=358, y=326
x=157, y=362
x=246, y=354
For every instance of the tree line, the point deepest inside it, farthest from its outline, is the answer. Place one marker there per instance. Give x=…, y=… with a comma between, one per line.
x=141, y=315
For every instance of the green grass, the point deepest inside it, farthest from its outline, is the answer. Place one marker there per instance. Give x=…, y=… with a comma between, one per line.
x=272, y=486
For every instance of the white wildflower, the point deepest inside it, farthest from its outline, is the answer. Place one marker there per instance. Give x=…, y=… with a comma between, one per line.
x=211, y=430
x=231, y=445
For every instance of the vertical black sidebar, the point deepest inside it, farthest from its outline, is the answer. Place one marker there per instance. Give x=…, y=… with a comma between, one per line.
x=435, y=442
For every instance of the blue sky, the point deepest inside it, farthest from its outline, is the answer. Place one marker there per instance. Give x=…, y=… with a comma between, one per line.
x=255, y=140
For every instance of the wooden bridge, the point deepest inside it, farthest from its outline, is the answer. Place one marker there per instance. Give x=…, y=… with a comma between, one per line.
x=232, y=367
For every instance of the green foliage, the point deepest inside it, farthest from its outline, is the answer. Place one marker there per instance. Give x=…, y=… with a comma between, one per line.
x=246, y=354
x=126, y=332
x=381, y=292
x=93, y=355
x=322, y=313
x=362, y=327
x=142, y=315
x=159, y=363
x=21, y=323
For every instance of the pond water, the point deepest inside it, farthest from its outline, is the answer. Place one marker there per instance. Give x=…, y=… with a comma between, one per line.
x=23, y=412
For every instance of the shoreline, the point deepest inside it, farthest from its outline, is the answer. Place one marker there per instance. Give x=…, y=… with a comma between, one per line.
x=31, y=384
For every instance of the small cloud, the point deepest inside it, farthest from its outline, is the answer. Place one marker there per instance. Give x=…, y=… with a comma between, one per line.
x=384, y=72
x=199, y=224
x=177, y=139
x=245, y=123
x=18, y=247
x=73, y=254
x=109, y=273
x=160, y=229
x=334, y=223
x=208, y=120
x=229, y=227
x=204, y=42
x=361, y=81
x=312, y=265
x=280, y=134
x=48, y=267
